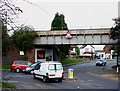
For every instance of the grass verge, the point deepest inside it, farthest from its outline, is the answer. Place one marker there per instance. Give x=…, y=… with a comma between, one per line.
x=68, y=61
x=7, y=85
x=5, y=67
x=115, y=67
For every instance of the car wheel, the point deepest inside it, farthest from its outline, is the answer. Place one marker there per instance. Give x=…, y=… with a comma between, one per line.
x=96, y=65
x=31, y=72
x=44, y=79
x=34, y=76
x=17, y=70
x=11, y=70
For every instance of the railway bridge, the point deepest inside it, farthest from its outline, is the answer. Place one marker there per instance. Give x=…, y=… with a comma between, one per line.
x=74, y=37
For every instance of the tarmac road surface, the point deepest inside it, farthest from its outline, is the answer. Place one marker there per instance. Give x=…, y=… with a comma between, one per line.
x=84, y=75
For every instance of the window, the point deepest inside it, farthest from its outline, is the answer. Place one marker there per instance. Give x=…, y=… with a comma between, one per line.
x=32, y=65
x=58, y=67
x=29, y=63
x=51, y=67
x=40, y=54
x=91, y=50
x=17, y=63
x=55, y=67
x=86, y=49
x=23, y=63
x=37, y=67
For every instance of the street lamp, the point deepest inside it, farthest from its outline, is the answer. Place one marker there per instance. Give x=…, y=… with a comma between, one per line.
x=118, y=51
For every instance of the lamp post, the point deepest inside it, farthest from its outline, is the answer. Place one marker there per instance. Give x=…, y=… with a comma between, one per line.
x=118, y=51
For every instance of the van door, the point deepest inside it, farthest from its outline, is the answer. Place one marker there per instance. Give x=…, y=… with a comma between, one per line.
x=58, y=70
x=55, y=70
x=37, y=71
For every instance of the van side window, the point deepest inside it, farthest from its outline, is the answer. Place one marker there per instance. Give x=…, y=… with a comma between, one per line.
x=38, y=67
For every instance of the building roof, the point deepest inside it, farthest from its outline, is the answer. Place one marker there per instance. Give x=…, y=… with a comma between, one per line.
x=88, y=52
x=83, y=46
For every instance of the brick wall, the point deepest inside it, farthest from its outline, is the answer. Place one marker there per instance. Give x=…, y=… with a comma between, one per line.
x=11, y=55
x=14, y=54
x=31, y=54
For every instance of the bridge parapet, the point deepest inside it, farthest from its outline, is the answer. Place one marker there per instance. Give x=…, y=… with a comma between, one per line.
x=76, y=31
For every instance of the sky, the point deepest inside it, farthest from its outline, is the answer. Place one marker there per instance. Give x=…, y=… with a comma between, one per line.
x=79, y=14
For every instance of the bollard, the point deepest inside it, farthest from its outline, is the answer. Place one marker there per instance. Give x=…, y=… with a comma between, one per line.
x=70, y=73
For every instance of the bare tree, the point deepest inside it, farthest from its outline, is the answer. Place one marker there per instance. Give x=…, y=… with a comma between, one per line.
x=8, y=11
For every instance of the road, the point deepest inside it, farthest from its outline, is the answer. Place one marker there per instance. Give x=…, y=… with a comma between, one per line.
x=87, y=76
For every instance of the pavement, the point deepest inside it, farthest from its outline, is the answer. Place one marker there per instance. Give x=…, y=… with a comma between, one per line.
x=111, y=74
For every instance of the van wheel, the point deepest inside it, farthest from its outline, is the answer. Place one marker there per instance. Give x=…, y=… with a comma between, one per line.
x=17, y=70
x=60, y=80
x=105, y=64
x=44, y=79
x=34, y=76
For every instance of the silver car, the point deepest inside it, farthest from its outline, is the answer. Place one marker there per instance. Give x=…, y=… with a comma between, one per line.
x=101, y=62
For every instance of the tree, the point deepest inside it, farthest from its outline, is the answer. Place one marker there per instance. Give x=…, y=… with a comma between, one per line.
x=8, y=11
x=5, y=40
x=58, y=23
x=115, y=33
x=77, y=50
x=23, y=38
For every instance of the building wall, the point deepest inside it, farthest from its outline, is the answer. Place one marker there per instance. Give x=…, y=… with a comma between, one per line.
x=31, y=54
x=12, y=54
x=88, y=48
x=107, y=50
x=48, y=53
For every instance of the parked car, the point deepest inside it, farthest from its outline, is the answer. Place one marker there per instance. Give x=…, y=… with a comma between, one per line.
x=19, y=65
x=49, y=70
x=101, y=62
x=31, y=68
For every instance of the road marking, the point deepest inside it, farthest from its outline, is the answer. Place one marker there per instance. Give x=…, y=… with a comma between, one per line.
x=19, y=75
x=13, y=81
x=90, y=80
x=37, y=84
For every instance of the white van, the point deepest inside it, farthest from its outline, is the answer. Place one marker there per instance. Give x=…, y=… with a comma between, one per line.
x=49, y=70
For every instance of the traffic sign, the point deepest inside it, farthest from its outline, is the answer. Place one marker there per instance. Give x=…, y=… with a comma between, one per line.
x=68, y=35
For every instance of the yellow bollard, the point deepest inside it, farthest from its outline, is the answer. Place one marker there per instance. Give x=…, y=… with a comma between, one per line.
x=70, y=73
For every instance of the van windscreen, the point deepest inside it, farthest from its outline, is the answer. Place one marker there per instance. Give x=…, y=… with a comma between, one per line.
x=55, y=67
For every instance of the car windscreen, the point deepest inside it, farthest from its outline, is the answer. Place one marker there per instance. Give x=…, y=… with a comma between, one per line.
x=100, y=60
x=55, y=67
x=33, y=65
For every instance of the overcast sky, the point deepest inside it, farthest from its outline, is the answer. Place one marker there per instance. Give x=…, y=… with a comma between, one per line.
x=78, y=13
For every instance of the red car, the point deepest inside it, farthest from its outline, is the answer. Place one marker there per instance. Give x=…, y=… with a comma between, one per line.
x=19, y=65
